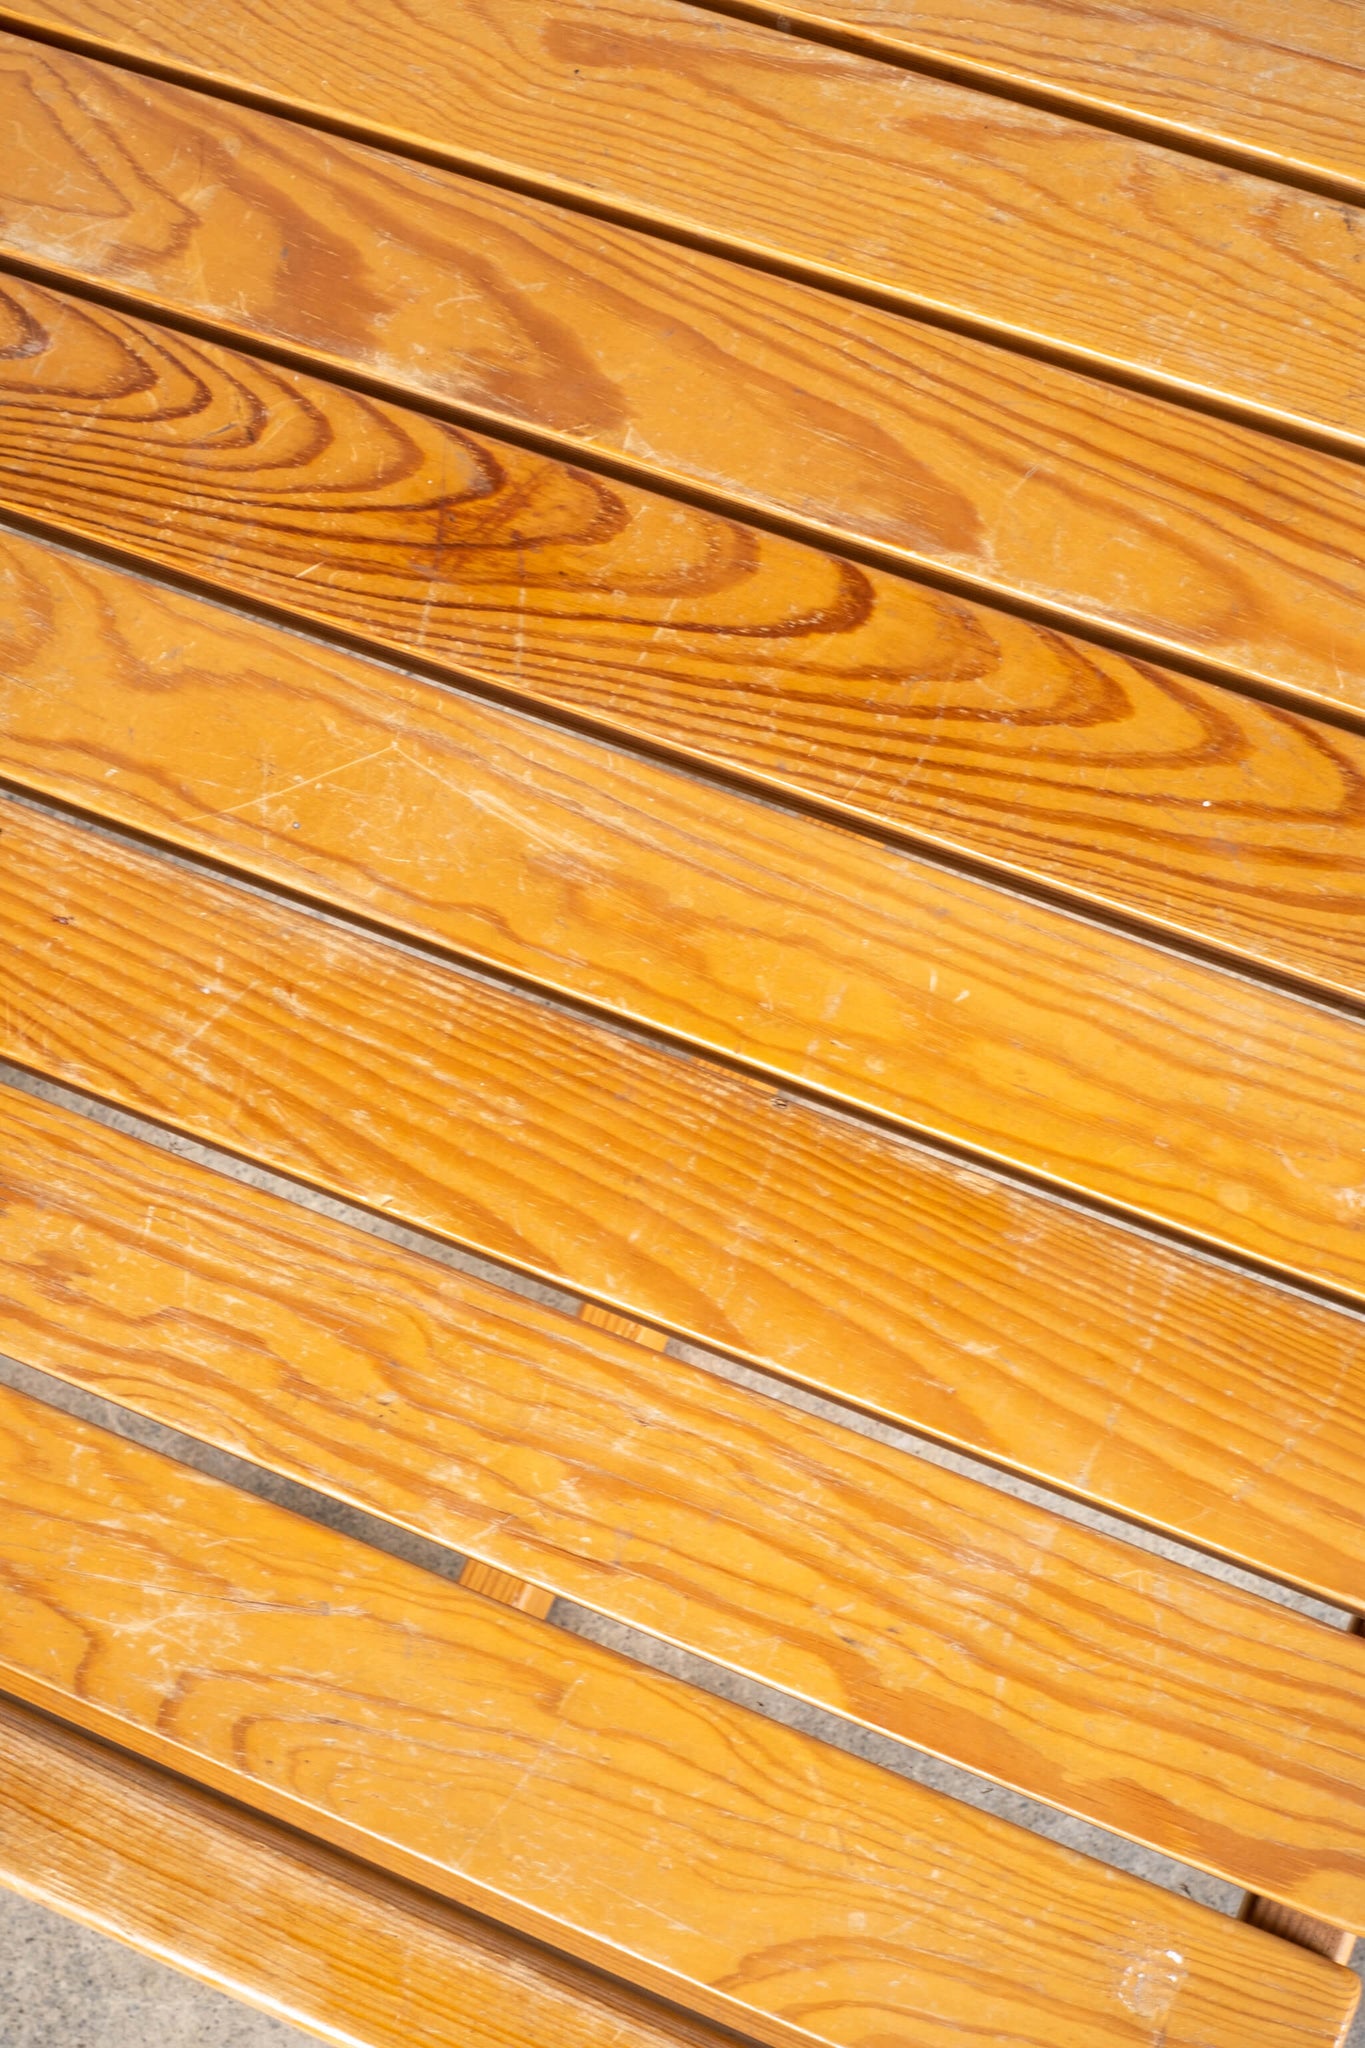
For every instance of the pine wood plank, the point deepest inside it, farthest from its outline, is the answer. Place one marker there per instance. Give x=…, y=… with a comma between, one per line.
x=1280, y=88
x=286, y=1924
x=1108, y=1067
x=1275, y=1918
x=756, y=1874
x=1162, y=1704
x=1132, y=787
x=1192, y=537
x=845, y=168
x=494, y=1584
x=586, y=594
x=1183, y=1393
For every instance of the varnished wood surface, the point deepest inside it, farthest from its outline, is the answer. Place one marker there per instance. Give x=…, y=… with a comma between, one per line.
x=1106, y=1065
x=761, y=1876
x=308, y=1935
x=1280, y=87
x=1193, y=536
x=1162, y=1704
x=1136, y=788
x=1191, y=1396
x=852, y=170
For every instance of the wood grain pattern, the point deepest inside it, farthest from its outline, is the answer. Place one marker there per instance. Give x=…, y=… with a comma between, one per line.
x=1177, y=1091
x=1189, y=1395
x=478, y=1577
x=746, y=1869
x=290, y=1926
x=853, y=171
x=622, y=1326
x=1162, y=1704
x=1128, y=785
x=1289, y=1925
x=1233, y=548
x=1281, y=88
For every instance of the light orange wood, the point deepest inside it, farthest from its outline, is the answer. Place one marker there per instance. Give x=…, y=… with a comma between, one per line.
x=1324, y=1940
x=1279, y=88
x=847, y=169
x=559, y=584
x=622, y=1326
x=1158, y=1702
x=1105, y=1065
x=1189, y=1395
x=753, y=1873
x=306, y=1934
x=478, y=1577
x=1128, y=786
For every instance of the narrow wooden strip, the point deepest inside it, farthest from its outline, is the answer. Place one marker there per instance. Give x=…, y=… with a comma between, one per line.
x=622, y=1326
x=1148, y=1698
x=1280, y=89
x=1187, y=1394
x=1335, y=1943
x=1128, y=786
x=417, y=533
x=849, y=170
x=478, y=1577
x=305, y=1933
x=1105, y=1065
x=730, y=1862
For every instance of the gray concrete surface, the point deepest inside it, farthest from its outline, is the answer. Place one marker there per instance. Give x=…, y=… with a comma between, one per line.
x=62, y=1986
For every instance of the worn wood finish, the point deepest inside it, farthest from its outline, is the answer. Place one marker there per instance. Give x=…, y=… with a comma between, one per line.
x=700, y=1850
x=417, y=532
x=1188, y=1395
x=854, y=171
x=1162, y=1704
x=308, y=1935
x=1107, y=1066
x=1281, y=89
x=1133, y=787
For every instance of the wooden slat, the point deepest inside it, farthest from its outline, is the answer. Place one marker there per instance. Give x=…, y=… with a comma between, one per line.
x=1189, y=1395
x=308, y=1935
x=478, y=1577
x=1233, y=550
x=725, y=1860
x=1162, y=1704
x=1280, y=88
x=1105, y=1065
x=848, y=169
x=1289, y=1925
x=1127, y=785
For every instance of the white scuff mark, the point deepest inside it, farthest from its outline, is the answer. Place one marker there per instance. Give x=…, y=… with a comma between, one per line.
x=1149, y=1987
x=268, y=796
x=215, y=1017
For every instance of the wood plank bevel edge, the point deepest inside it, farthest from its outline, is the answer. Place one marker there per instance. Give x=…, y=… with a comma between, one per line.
x=128, y=1893
x=824, y=24
x=596, y=204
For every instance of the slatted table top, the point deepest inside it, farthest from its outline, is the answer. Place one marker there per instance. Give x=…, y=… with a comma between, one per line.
x=682, y=733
